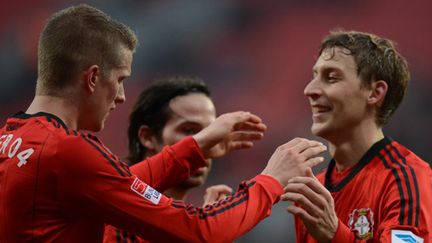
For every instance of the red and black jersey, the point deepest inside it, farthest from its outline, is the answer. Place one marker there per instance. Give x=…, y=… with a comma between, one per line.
x=385, y=197
x=61, y=185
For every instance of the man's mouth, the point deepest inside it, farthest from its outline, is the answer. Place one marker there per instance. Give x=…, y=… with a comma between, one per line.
x=320, y=109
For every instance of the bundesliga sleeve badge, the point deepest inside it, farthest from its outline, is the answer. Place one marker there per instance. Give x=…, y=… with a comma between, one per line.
x=404, y=236
x=146, y=191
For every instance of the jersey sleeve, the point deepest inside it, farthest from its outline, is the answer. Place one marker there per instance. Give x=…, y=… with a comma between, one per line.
x=89, y=184
x=406, y=206
x=404, y=214
x=174, y=164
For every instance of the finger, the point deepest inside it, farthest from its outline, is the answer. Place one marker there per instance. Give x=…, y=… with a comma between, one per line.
x=246, y=136
x=216, y=193
x=313, y=184
x=294, y=142
x=312, y=162
x=233, y=145
x=313, y=151
x=306, y=144
x=250, y=126
x=302, y=200
x=302, y=214
x=304, y=189
x=309, y=173
x=209, y=198
x=243, y=116
x=222, y=196
x=253, y=118
x=220, y=189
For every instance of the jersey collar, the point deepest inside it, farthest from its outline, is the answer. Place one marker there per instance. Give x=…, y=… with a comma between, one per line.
x=366, y=158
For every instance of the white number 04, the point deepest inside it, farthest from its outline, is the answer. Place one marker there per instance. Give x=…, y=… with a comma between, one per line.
x=13, y=149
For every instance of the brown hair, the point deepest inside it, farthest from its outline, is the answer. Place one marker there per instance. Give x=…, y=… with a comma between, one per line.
x=152, y=109
x=376, y=59
x=75, y=38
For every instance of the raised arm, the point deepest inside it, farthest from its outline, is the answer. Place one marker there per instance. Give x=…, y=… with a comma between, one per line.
x=230, y=131
x=127, y=202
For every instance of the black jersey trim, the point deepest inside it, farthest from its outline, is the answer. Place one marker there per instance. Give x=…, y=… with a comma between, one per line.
x=125, y=236
x=407, y=184
x=116, y=158
x=132, y=238
x=109, y=153
x=118, y=235
x=112, y=162
x=416, y=187
x=220, y=206
x=49, y=117
x=367, y=157
x=399, y=186
x=221, y=210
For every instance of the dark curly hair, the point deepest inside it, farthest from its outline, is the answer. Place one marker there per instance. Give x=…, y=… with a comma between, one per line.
x=152, y=109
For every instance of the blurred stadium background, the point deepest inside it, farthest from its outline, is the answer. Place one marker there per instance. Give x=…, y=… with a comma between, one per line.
x=255, y=56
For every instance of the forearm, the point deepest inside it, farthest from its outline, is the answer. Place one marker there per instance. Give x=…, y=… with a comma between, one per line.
x=174, y=164
x=223, y=221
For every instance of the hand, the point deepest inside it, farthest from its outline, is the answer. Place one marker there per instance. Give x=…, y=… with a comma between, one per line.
x=230, y=131
x=216, y=193
x=316, y=208
x=293, y=158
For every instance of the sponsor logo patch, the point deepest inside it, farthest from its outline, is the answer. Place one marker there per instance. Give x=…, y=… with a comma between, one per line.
x=146, y=191
x=405, y=236
x=361, y=220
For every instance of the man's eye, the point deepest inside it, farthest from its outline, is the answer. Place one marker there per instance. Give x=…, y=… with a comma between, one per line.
x=189, y=131
x=332, y=79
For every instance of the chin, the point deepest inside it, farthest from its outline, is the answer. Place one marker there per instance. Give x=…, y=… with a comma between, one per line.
x=319, y=130
x=96, y=128
x=193, y=182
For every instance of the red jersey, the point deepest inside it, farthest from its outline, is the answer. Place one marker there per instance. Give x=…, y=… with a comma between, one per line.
x=385, y=197
x=61, y=185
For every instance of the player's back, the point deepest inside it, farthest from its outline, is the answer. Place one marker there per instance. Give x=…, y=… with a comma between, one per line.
x=30, y=206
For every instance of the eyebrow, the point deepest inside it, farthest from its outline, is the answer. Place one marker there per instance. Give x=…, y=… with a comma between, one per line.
x=327, y=69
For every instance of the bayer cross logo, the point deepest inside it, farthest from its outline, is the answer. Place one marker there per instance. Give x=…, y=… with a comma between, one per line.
x=405, y=236
x=361, y=220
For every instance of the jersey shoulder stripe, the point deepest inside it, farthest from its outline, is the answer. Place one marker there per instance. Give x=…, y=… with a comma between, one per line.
x=400, y=167
x=120, y=170
x=116, y=160
x=414, y=179
x=401, y=177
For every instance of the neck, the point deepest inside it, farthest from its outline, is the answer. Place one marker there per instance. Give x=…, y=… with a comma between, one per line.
x=61, y=107
x=176, y=192
x=348, y=149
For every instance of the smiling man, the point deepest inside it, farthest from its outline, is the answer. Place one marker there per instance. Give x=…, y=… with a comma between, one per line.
x=374, y=189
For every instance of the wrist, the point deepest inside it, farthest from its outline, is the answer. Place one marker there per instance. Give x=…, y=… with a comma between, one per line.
x=200, y=141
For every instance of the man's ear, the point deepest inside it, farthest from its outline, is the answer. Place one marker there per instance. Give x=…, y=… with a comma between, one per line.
x=91, y=77
x=147, y=138
x=378, y=93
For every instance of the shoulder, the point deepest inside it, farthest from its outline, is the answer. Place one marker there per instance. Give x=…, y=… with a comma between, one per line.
x=84, y=151
x=408, y=156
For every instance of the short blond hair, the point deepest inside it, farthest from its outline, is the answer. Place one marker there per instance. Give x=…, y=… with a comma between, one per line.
x=75, y=38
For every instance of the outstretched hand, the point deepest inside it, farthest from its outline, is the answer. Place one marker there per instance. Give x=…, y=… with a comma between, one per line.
x=293, y=158
x=315, y=206
x=216, y=193
x=230, y=131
